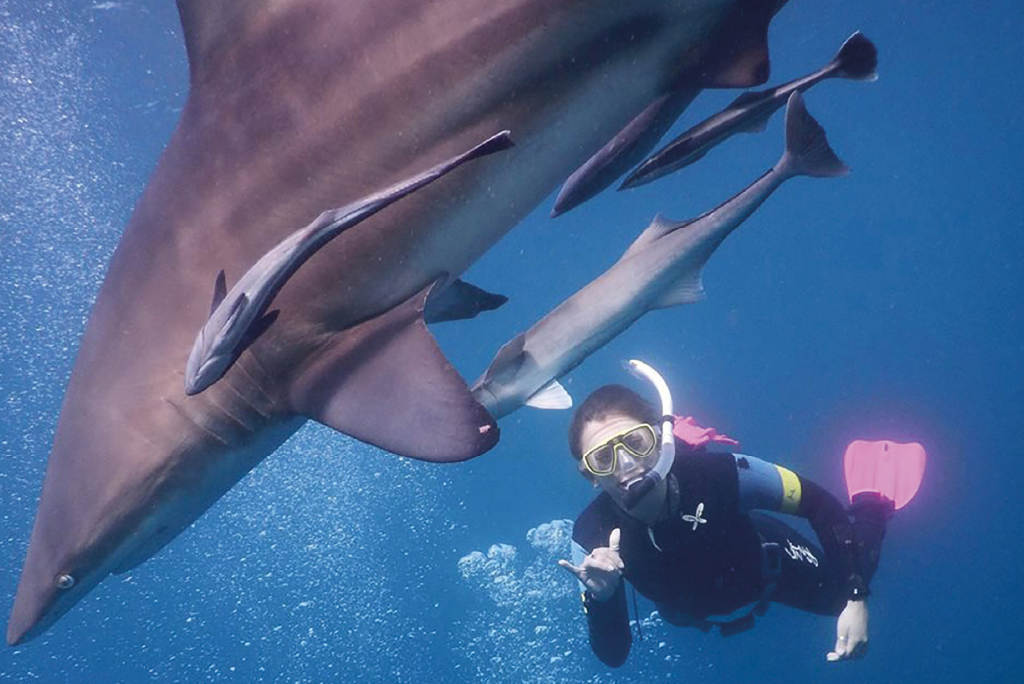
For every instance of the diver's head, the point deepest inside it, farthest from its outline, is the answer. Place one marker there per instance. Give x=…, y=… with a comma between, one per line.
x=615, y=439
x=606, y=402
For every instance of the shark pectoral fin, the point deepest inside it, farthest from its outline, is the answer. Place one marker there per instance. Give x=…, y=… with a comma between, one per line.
x=740, y=56
x=386, y=382
x=550, y=396
x=220, y=290
x=623, y=152
x=460, y=301
x=658, y=228
x=687, y=290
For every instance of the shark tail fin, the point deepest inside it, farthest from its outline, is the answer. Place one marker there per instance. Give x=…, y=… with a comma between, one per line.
x=807, y=150
x=857, y=59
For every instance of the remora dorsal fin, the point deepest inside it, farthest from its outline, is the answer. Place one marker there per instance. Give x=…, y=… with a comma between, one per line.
x=386, y=382
x=460, y=301
x=509, y=359
x=220, y=290
x=658, y=228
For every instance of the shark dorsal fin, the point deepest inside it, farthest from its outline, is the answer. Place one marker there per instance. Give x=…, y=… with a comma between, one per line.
x=659, y=228
x=550, y=396
x=220, y=290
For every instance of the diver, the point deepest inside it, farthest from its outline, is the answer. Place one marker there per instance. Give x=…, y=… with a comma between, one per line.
x=684, y=525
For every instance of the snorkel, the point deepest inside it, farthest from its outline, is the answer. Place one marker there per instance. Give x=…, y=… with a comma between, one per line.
x=635, y=490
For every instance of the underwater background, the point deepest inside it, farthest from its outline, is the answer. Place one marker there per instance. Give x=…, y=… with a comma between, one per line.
x=884, y=304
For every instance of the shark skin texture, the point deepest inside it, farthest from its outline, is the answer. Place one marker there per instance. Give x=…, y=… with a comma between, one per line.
x=294, y=107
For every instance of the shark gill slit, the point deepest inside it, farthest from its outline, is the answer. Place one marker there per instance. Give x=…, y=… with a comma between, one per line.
x=245, y=400
x=227, y=412
x=184, y=414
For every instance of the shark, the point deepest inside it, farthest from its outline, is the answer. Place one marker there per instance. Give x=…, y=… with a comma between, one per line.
x=295, y=106
x=238, y=317
x=661, y=269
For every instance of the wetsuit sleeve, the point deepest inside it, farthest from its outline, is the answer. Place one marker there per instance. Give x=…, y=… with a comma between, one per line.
x=607, y=621
x=766, y=486
x=608, y=626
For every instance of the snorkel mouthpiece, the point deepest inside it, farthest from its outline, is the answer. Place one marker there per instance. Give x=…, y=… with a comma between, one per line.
x=635, y=490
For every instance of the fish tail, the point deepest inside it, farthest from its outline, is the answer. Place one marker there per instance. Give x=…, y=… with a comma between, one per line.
x=857, y=59
x=807, y=150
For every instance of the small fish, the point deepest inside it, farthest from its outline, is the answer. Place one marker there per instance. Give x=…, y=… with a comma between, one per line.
x=238, y=317
x=857, y=59
x=662, y=268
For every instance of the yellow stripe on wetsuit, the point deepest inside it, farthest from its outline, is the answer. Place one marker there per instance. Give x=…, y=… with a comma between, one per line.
x=790, y=490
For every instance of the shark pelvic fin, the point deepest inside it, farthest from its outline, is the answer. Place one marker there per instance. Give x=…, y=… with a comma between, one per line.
x=460, y=301
x=386, y=382
x=550, y=396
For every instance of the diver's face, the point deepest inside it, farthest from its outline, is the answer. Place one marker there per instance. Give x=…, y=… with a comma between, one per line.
x=627, y=466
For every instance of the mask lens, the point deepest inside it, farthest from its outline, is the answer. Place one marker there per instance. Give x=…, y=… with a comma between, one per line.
x=640, y=441
x=601, y=460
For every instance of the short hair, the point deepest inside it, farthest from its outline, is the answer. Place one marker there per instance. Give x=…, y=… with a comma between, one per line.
x=606, y=401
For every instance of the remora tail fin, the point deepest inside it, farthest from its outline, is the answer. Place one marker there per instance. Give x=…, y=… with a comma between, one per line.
x=857, y=59
x=807, y=151
x=386, y=382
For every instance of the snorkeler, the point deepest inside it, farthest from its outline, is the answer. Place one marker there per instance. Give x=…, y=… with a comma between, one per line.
x=682, y=525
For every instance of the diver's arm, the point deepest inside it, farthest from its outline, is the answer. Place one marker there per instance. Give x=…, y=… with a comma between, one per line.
x=607, y=619
x=766, y=486
x=608, y=626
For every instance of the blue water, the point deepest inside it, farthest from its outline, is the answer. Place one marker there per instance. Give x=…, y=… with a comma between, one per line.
x=887, y=303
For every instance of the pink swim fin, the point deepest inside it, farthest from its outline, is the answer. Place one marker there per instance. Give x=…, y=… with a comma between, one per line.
x=891, y=469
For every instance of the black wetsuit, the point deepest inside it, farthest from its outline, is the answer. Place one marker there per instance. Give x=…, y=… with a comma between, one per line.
x=710, y=554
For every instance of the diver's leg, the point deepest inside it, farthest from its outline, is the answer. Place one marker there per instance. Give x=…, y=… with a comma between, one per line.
x=808, y=579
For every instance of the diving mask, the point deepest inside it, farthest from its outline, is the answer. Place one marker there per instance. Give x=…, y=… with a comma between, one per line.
x=639, y=442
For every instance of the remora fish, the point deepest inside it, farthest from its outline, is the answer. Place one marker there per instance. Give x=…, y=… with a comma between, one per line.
x=630, y=145
x=293, y=106
x=235, y=316
x=662, y=268
x=857, y=59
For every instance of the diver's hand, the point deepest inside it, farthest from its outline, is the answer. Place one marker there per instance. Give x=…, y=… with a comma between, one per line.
x=600, y=571
x=851, y=632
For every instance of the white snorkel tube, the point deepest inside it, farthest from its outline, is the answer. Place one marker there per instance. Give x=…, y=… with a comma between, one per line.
x=634, y=491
